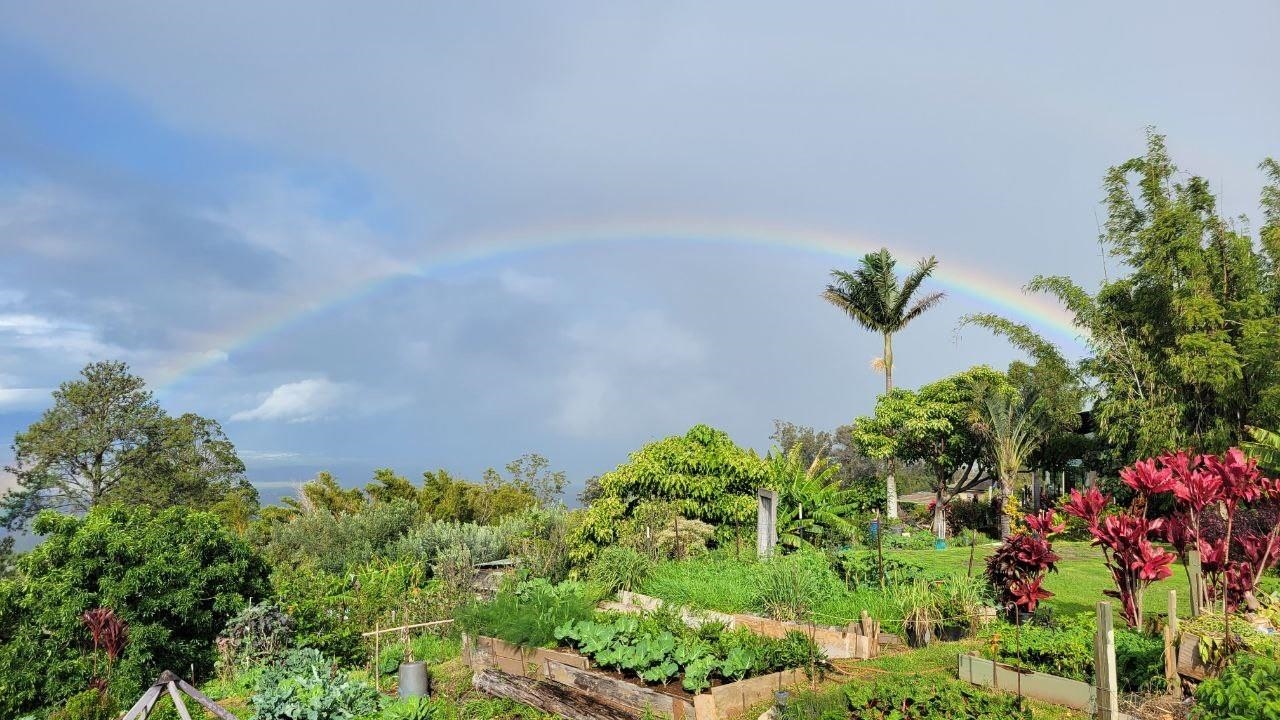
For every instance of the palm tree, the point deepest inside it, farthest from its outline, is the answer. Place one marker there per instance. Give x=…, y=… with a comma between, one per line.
x=873, y=298
x=1014, y=434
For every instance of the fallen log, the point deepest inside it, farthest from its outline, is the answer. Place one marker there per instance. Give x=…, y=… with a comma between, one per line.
x=548, y=697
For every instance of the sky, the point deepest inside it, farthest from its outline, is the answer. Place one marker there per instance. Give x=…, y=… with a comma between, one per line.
x=422, y=235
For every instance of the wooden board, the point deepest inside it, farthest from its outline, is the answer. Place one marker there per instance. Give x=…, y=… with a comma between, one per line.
x=553, y=698
x=1189, y=663
x=619, y=692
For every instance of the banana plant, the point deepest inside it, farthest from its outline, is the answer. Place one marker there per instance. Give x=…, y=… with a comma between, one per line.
x=812, y=507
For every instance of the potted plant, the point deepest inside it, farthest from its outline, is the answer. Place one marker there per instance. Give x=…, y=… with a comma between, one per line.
x=920, y=612
x=960, y=606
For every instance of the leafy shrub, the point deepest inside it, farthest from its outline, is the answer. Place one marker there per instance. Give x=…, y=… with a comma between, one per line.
x=426, y=542
x=175, y=576
x=528, y=613
x=1066, y=649
x=973, y=514
x=336, y=542
x=1248, y=689
x=620, y=568
x=260, y=633
x=306, y=686
x=91, y=704
x=862, y=568
x=1140, y=662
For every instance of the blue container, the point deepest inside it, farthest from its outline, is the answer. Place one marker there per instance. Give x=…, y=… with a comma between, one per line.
x=875, y=529
x=939, y=544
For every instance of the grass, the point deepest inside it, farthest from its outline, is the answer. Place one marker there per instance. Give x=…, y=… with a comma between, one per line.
x=1078, y=584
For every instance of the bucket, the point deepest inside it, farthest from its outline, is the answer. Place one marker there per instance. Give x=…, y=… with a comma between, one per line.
x=939, y=544
x=413, y=680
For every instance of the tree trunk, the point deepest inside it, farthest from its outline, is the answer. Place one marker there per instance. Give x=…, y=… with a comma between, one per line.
x=1001, y=502
x=890, y=483
x=939, y=516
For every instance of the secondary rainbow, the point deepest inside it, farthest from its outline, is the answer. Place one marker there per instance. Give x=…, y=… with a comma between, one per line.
x=1039, y=312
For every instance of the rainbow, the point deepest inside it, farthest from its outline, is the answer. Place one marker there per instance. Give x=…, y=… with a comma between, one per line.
x=1039, y=312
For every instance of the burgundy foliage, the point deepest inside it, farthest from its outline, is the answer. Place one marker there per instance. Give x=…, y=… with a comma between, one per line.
x=1016, y=570
x=1210, y=493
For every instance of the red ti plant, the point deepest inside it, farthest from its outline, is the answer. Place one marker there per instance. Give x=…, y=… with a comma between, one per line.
x=1125, y=537
x=1016, y=570
x=109, y=634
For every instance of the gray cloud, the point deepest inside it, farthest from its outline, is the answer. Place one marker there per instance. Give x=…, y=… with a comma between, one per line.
x=269, y=273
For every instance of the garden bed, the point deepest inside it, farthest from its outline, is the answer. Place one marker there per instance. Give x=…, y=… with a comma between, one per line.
x=564, y=682
x=860, y=640
x=1033, y=684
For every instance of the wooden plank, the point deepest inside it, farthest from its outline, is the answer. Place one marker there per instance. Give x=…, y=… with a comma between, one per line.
x=609, y=689
x=1038, y=685
x=145, y=703
x=704, y=707
x=178, y=704
x=555, y=698
x=1189, y=662
x=1108, y=702
x=402, y=628
x=204, y=700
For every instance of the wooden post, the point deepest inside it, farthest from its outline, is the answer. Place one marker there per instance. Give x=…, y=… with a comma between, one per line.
x=766, y=522
x=1171, y=678
x=1104, y=671
x=377, y=658
x=1197, y=582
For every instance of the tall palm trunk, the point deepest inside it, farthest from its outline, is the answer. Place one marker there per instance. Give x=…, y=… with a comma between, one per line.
x=1002, y=501
x=890, y=484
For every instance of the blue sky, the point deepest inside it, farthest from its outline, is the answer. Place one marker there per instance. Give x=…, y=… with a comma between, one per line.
x=173, y=174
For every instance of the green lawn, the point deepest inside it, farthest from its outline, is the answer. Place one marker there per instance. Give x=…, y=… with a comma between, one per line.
x=1077, y=585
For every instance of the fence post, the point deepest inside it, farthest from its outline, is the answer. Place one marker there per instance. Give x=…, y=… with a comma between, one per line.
x=766, y=522
x=1172, y=680
x=1104, y=646
x=1197, y=582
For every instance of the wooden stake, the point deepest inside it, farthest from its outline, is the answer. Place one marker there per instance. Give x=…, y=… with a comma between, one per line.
x=1172, y=680
x=377, y=658
x=1104, y=673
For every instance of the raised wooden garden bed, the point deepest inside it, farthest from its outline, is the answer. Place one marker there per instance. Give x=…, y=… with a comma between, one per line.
x=859, y=640
x=1031, y=683
x=563, y=682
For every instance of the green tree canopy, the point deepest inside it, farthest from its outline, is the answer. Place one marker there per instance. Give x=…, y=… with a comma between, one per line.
x=1184, y=342
x=175, y=575
x=107, y=439
x=938, y=425
x=702, y=474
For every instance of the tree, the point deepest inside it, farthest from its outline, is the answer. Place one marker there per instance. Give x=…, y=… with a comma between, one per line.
x=175, y=576
x=106, y=438
x=937, y=425
x=532, y=472
x=1184, y=343
x=388, y=486
x=1014, y=437
x=852, y=468
x=873, y=298
x=702, y=473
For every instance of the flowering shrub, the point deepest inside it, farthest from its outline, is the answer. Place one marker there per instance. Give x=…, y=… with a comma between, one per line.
x=1016, y=570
